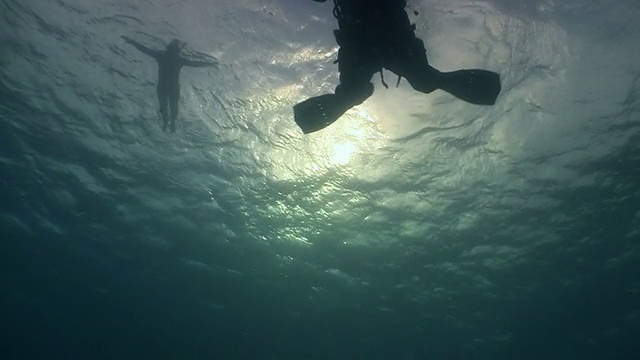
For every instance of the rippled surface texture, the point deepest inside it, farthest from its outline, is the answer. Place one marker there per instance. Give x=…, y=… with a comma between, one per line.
x=415, y=227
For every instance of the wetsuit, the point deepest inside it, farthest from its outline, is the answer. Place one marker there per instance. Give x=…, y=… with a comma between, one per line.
x=375, y=35
x=168, y=89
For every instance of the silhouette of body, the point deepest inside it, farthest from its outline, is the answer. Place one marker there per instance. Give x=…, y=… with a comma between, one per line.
x=377, y=34
x=169, y=65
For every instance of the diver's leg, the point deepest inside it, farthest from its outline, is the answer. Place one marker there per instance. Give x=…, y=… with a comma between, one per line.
x=163, y=100
x=356, y=70
x=475, y=86
x=173, y=104
x=356, y=67
x=410, y=61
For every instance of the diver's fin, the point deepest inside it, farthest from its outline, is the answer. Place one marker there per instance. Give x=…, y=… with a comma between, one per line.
x=476, y=86
x=318, y=112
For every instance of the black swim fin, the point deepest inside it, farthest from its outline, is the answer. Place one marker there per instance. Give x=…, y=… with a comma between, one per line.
x=480, y=87
x=318, y=112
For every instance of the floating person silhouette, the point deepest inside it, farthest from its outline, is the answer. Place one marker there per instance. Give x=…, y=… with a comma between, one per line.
x=377, y=34
x=169, y=65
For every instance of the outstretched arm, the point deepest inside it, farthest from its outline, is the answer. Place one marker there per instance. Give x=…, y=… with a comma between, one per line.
x=195, y=63
x=153, y=53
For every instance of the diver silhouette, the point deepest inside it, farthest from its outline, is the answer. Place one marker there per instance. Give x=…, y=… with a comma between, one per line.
x=377, y=34
x=169, y=65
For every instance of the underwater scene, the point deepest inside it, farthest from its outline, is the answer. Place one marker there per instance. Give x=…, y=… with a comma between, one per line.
x=341, y=179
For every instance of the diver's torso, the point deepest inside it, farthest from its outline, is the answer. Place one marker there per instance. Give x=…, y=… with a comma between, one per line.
x=169, y=71
x=380, y=21
x=370, y=11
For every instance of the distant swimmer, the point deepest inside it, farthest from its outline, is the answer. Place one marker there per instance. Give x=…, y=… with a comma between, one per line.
x=377, y=34
x=169, y=65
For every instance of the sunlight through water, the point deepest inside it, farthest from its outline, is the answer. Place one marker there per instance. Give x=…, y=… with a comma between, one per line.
x=339, y=146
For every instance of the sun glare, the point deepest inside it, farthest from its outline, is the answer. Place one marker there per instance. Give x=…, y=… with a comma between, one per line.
x=338, y=145
x=342, y=153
